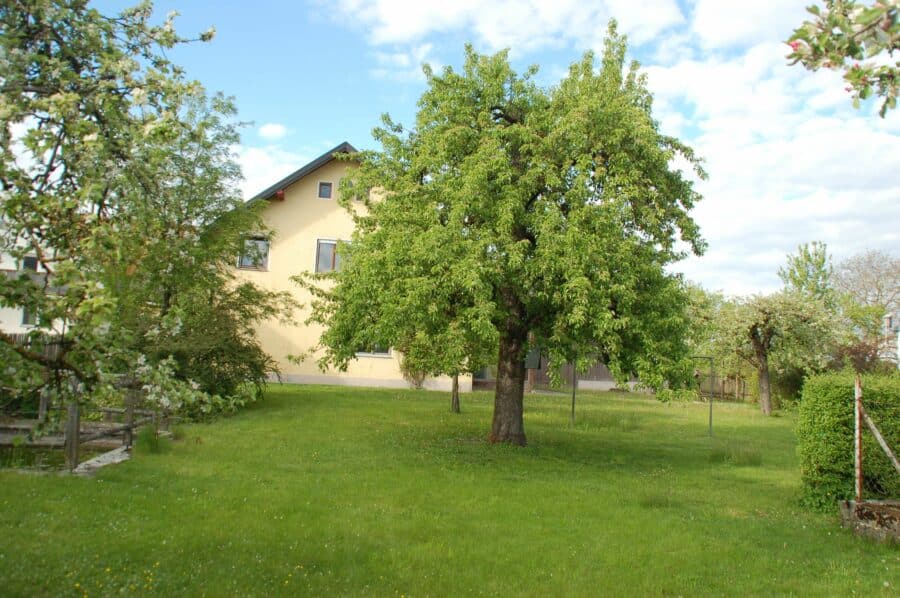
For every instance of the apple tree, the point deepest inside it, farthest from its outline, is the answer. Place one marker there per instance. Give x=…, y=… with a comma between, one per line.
x=857, y=38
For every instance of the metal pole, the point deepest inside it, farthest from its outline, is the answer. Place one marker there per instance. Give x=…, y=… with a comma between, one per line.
x=712, y=386
x=712, y=377
x=73, y=424
x=574, y=386
x=857, y=436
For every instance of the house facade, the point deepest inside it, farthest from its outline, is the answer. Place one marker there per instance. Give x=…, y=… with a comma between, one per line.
x=17, y=320
x=307, y=223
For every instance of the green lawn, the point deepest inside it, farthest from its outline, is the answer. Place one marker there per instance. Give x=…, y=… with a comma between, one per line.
x=330, y=491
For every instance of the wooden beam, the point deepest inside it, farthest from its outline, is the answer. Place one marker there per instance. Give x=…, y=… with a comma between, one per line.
x=884, y=445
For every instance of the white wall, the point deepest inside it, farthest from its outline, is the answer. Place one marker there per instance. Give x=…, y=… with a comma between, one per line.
x=10, y=317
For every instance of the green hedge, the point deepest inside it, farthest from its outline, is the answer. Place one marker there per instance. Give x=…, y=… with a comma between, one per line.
x=825, y=438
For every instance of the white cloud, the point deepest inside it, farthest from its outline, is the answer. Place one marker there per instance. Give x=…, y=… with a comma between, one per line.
x=728, y=23
x=272, y=131
x=521, y=25
x=750, y=235
x=789, y=162
x=263, y=166
x=403, y=66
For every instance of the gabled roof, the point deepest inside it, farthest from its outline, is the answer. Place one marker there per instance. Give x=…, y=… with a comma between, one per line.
x=269, y=192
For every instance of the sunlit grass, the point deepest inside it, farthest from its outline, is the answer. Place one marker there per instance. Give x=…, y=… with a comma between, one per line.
x=336, y=491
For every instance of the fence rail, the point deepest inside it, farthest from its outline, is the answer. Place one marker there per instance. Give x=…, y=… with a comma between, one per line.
x=48, y=346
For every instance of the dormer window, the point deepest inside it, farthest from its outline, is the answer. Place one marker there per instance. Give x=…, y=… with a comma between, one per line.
x=325, y=190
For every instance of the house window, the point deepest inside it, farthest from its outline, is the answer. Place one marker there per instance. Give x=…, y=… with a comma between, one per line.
x=375, y=349
x=29, y=317
x=255, y=255
x=325, y=190
x=29, y=262
x=327, y=258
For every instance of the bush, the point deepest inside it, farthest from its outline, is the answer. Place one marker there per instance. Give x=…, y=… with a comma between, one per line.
x=825, y=437
x=786, y=387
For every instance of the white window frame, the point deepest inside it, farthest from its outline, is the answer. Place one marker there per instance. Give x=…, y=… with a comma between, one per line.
x=386, y=355
x=333, y=242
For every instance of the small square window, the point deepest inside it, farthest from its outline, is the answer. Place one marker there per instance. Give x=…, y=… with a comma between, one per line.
x=325, y=190
x=327, y=258
x=255, y=255
x=29, y=262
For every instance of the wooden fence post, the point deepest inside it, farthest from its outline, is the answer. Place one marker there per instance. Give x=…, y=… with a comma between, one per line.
x=129, y=417
x=42, y=406
x=73, y=425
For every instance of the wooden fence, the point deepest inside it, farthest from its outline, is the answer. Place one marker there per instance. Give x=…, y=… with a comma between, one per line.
x=47, y=346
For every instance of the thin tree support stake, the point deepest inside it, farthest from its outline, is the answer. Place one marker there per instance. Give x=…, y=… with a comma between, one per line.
x=574, y=387
x=73, y=425
x=712, y=377
x=857, y=438
x=130, y=400
x=877, y=433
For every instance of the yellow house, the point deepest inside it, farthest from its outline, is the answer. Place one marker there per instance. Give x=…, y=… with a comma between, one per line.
x=307, y=222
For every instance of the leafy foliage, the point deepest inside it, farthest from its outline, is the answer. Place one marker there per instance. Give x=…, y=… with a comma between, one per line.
x=117, y=174
x=786, y=330
x=825, y=437
x=512, y=210
x=810, y=272
x=846, y=32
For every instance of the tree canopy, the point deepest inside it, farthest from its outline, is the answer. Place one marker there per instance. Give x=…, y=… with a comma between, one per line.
x=117, y=174
x=511, y=210
x=810, y=272
x=788, y=329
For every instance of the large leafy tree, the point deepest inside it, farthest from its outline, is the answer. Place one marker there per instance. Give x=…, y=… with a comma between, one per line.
x=116, y=174
x=545, y=211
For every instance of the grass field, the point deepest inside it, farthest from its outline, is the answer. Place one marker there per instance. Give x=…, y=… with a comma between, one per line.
x=331, y=491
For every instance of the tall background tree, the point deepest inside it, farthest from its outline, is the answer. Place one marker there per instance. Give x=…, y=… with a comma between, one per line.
x=868, y=284
x=116, y=173
x=810, y=272
x=871, y=278
x=547, y=211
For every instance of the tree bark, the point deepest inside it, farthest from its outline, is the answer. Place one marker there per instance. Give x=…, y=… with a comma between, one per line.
x=765, y=396
x=508, y=425
x=454, y=394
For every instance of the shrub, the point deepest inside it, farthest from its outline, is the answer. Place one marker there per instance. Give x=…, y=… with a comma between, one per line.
x=825, y=437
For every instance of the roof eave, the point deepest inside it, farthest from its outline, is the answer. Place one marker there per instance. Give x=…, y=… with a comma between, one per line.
x=269, y=192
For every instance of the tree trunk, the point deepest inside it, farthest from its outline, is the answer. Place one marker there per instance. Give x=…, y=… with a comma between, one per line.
x=765, y=396
x=454, y=394
x=508, y=425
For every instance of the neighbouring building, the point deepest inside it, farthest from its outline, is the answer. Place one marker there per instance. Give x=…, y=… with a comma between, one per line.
x=17, y=320
x=307, y=223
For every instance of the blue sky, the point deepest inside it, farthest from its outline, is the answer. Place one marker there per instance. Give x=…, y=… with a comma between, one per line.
x=789, y=159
